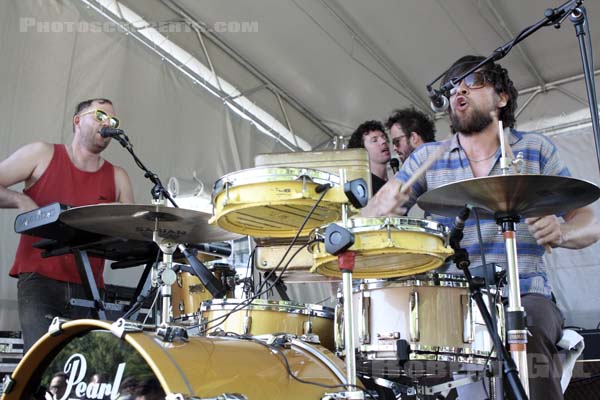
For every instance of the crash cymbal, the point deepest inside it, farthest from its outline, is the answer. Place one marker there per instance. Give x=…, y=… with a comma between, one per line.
x=136, y=221
x=517, y=195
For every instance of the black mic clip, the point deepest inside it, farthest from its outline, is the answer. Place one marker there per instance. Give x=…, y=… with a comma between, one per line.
x=461, y=256
x=439, y=102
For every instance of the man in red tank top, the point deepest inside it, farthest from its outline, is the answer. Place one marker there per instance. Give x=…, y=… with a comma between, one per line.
x=74, y=175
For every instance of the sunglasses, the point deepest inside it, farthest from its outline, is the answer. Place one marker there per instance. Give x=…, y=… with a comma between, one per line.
x=102, y=116
x=396, y=140
x=475, y=80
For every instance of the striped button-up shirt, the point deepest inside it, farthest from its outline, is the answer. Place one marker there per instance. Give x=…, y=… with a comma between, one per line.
x=540, y=157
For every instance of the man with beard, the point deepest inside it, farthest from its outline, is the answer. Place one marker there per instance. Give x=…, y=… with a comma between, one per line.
x=409, y=129
x=371, y=136
x=476, y=104
x=73, y=175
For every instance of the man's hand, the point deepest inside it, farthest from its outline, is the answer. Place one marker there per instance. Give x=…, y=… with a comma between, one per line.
x=546, y=230
x=388, y=201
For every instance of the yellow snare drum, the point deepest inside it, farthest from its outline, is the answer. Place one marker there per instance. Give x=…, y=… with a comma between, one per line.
x=199, y=367
x=274, y=201
x=388, y=247
x=269, y=317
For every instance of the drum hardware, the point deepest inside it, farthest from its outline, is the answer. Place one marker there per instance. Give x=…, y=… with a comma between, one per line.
x=175, y=365
x=507, y=199
x=171, y=334
x=337, y=241
x=224, y=396
x=516, y=330
x=121, y=327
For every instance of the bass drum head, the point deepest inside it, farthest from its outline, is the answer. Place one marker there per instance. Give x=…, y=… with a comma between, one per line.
x=202, y=367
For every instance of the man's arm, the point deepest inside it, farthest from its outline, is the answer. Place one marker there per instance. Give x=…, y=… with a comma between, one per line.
x=26, y=164
x=580, y=229
x=123, y=186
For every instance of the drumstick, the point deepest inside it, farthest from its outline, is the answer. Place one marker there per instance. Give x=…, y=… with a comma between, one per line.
x=424, y=167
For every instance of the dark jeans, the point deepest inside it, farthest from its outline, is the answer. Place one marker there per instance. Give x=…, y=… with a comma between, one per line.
x=40, y=299
x=545, y=322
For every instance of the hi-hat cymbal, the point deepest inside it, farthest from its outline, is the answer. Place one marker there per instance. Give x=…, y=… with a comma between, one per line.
x=137, y=222
x=516, y=195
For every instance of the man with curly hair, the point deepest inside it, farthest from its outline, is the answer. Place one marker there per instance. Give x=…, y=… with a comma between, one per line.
x=371, y=136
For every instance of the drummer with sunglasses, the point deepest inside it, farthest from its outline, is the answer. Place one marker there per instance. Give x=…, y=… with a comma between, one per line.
x=477, y=103
x=75, y=175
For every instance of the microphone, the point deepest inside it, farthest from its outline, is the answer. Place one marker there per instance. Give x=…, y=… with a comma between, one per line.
x=456, y=234
x=395, y=164
x=439, y=102
x=110, y=132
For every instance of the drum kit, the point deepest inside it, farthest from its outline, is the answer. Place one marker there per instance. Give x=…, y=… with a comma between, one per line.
x=399, y=328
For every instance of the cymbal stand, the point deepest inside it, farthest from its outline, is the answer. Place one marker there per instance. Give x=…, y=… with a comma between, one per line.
x=337, y=241
x=163, y=274
x=519, y=388
x=516, y=329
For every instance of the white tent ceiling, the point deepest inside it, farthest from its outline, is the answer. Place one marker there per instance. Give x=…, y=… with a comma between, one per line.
x=319, y=67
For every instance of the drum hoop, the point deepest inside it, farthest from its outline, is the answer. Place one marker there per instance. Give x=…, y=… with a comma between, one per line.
x=427, y=280
x=398, y=224
x=433, y=353
x=272, y=174
x=270, y=305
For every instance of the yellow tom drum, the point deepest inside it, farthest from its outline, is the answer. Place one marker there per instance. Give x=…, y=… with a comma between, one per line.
x=188, y=292
x=199, y=367
x=311, y=321
x=274, y=201
x=387, y=247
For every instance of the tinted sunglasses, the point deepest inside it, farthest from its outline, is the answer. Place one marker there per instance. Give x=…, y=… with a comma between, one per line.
x=102, y=116
x=475, y=80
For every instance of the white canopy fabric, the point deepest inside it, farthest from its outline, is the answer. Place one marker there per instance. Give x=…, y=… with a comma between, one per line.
x=319, y=67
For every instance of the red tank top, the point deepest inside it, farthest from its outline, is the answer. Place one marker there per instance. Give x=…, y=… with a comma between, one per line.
x=64, y=182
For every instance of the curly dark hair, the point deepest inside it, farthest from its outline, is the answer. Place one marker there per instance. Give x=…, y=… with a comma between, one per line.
x=497, y=75
x=356, y=140
x=412, y=120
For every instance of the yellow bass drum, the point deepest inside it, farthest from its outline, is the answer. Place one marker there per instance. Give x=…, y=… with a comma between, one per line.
x=199, y=367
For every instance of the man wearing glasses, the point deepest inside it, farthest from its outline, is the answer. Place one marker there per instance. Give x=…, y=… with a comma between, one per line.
x=74, y=175
x=371, y=136
x=409, y=129
x=476, y=104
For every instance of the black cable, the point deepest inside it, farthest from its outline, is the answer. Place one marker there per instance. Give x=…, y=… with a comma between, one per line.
x=286, y=363
x=245, y=303
x=325, y=189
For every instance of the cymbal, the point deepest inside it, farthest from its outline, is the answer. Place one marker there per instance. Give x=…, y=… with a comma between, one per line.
x=526, y=195
x=137, y=222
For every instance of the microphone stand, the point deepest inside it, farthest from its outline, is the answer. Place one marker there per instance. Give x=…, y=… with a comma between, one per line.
x=576, y=12
x=158, y=190
x=581, y=22
x=461, y=259
x=165, y=277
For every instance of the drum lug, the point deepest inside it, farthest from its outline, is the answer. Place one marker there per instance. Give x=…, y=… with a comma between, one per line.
x=121, y=327
x=224, y=396
x=307, y=327
x=415, y=334
x=364, y=320
x=247, y=324
x=55, y=327
x=7, y=384
x=354, y=395
x=465, y=301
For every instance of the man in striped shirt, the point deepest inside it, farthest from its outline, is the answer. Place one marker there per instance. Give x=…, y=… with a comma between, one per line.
x=476, y=104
